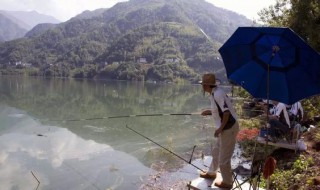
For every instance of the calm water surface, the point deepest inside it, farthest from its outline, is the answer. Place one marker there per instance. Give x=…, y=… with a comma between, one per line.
x=93, y=154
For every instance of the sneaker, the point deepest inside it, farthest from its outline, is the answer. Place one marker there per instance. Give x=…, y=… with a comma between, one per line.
x=208, y=175
x=221, y=184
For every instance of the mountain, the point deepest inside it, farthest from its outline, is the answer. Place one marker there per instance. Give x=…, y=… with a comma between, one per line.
x=90, y=14
x=9, y=30
x=29, y=19
x=39, y=29
x=15, y=20
x=136, y=40
x=15, y=24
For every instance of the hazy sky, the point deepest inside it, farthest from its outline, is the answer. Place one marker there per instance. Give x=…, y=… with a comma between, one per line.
x=65, y=9
x=248, y=8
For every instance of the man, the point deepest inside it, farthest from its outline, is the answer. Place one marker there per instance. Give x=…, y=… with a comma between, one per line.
x=296, y=112
x=226, y=131
x=279, y=121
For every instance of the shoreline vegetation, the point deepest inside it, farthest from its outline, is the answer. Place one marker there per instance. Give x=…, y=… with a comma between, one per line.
x=95, y=73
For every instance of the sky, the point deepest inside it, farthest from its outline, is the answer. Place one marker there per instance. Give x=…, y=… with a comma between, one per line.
x=248, y=8
x=63, y=10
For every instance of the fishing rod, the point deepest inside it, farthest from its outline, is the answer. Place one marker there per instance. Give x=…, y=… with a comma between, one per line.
x=189, y=162
x=127, y=116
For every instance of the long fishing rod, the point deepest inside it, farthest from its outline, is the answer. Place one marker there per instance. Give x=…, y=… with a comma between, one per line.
x=189, y=162
x=127, y=116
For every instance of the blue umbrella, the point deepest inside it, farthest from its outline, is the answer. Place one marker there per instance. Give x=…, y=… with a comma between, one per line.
x=272, y=63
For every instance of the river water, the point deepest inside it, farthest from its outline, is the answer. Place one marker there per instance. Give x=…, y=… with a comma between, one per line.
x=38, y=143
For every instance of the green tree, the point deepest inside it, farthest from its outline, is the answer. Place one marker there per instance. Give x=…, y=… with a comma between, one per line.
x=303, y=17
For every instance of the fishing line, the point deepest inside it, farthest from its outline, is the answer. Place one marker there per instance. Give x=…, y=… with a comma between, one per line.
x=189, y=162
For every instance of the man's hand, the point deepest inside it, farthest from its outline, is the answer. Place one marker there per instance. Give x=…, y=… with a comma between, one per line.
x=217, y=132
x=206, y=112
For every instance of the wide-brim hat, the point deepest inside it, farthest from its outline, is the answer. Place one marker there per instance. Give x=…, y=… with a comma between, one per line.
x=208, y=79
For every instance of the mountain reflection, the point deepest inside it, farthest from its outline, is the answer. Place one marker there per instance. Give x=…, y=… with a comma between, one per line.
x=59, y=158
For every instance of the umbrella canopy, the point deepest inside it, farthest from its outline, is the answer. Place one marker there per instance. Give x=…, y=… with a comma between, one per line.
x=272, y=63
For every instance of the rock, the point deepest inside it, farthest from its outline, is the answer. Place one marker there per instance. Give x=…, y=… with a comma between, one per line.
x=316, y=146
x=316, y=118
x=294, y=187
x=316, y=180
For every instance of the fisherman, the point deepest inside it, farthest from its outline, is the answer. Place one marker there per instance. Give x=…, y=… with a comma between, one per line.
x=226, y=131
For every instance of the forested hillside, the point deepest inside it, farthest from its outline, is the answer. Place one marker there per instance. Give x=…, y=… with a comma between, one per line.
x=163, y=40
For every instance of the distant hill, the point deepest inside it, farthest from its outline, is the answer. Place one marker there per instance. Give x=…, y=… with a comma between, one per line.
x=29, y=19
x=136, y=40
x=15, y=20
x=15, y=24
x=9, y=30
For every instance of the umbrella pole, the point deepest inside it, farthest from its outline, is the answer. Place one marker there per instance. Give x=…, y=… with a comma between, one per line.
x=268, y=94
x=268, y=91
x=275, y=49
x=268, y=98
x=232, y=90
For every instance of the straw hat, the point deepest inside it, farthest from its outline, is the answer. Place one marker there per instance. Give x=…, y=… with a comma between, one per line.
x=208, y=79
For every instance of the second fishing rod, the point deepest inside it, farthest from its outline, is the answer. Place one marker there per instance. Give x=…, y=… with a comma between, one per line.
x=171, y=152
x=145, y=115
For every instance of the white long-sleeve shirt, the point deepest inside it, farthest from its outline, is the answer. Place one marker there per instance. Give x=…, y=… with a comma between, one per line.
x=281, y=107
x=295, y=108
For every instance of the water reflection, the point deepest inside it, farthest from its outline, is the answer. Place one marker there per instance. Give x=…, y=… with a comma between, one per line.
x=59, y=158
x=71, y=99
x=94, y=154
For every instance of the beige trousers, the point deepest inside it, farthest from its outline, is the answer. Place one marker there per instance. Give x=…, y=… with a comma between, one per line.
x=222, y=153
